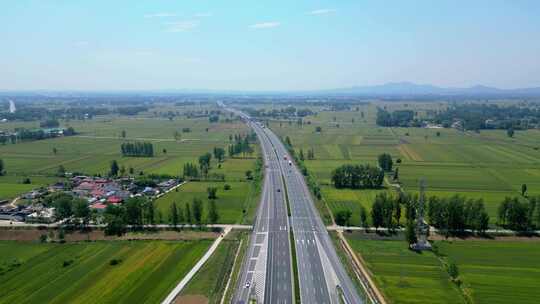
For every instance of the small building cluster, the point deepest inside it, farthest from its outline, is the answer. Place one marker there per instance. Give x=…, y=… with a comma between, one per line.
x=98, y=191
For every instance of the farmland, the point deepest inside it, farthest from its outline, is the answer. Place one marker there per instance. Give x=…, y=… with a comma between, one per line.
x=496, y=271
x=229, y=203
x=490, y=271
x=176, y=141
x=488, y=164
x=98, y=143
x=405, y=276
x=105, y=272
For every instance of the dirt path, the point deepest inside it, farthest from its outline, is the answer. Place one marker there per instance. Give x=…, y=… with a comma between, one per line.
x=137, y=138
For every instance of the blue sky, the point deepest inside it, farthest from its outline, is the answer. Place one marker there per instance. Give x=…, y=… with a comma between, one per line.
x=266, y=45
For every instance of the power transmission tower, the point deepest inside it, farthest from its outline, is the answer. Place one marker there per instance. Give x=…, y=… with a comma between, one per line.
x=422, y=228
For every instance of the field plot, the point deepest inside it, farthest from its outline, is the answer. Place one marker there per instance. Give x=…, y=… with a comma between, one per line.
x=11, y=186
x=99, y=272
x=345, y=199
x=497, y=271
x=405, y=276
x=92, y=149
x=98, y=143
x=230, y=203
x=488, y=164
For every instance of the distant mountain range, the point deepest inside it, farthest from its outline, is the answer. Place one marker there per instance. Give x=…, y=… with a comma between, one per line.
x=412, y=89
x=389, y=90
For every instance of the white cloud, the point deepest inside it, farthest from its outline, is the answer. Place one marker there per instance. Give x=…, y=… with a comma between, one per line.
x=202, y=15
x=265, y=25
x=182, y=26
x=322, y=11
x=160, y=15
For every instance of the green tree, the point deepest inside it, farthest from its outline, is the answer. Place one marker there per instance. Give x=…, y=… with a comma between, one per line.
x=219, y=154
x=377, y=214
x=197, y=211
x=385, y=162
x=343, y=217
x=213, y=214
x=54, y=150
x=523, y=189
x=114, y=168
x=134, y=211
x=64, y=208
x=249, y=175
x=212, y=193
x=189, y=218
x=363, y=216
x=1, y=167
x=173, y=218
x=410, y=233
x=61, y=172
x=149, y=212
x=115, y=220
x=204, y=163
x=288, y=141
x=510, y=132
x=123, y=134
x=397, y=211
x=81, y=211
x=453, y=270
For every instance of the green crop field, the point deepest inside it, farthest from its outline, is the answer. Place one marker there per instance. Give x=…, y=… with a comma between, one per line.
x=497, y=271
x=83, y=272
x=490, y=271
x=230, y=203
x=11, y=186
x=488, y=165
x=98, y=143
x=405, y=276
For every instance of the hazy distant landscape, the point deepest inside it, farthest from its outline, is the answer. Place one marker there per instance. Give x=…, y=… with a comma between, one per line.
x=317, y=152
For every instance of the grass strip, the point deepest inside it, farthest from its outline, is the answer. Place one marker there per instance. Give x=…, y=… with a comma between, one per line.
x=295, y=269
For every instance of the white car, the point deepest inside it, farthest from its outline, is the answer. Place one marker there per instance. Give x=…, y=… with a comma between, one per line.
x=248, y=284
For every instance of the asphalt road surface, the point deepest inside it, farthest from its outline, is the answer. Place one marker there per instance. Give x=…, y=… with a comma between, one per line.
x=321, y=275
x=266, y=274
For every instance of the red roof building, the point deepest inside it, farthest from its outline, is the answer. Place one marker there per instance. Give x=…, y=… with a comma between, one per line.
x=114, y=199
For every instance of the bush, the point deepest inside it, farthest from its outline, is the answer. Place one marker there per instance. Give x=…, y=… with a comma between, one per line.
x=453, y=271
x=114, y=262
x=67, y=263
x=227, y=187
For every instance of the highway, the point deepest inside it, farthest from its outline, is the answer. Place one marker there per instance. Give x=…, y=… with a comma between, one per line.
x=266, y=274
x=322, y=277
